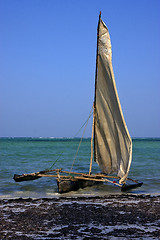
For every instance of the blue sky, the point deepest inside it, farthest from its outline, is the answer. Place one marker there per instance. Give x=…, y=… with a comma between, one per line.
x=47, y=65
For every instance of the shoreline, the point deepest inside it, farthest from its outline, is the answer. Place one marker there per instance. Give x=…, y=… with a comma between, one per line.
x=79, y=196
x=124, y=216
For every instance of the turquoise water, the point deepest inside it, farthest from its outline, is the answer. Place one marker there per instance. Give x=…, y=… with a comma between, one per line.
x=25, y=155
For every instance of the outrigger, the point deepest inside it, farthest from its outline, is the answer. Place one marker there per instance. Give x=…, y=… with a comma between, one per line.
x=73, y=181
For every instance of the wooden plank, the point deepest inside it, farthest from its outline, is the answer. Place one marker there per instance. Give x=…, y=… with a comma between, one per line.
x=99, y=180
x=81, y=178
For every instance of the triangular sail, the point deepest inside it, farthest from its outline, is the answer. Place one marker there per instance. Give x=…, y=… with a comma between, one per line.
x=112, y=142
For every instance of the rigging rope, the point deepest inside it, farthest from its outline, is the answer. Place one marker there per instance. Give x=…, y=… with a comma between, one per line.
x=85, y=124
x=57, y=159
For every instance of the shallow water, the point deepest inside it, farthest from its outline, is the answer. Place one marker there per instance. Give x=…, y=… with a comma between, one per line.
x=25, y=155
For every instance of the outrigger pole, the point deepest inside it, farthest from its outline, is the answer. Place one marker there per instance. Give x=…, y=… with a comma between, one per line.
x=72, y=176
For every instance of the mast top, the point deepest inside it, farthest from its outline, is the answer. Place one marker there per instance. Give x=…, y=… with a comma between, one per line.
x=100, y=15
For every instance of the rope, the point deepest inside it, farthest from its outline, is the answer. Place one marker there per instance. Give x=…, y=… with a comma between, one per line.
x=81, y=138
x=57, y=159
x=85, y=123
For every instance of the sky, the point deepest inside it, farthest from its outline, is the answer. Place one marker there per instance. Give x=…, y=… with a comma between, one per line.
x=48, y=60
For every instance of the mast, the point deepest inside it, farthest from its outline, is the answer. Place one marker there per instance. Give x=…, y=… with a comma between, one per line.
x=94, y=104
x=90, y=168
x=96, y=61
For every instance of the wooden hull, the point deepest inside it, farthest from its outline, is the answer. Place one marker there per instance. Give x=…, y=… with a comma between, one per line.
x=67, y=185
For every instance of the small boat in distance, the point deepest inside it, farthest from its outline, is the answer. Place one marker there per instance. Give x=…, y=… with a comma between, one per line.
x=111, y=144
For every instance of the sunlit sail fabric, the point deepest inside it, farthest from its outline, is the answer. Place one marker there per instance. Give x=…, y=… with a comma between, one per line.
x=112, y=142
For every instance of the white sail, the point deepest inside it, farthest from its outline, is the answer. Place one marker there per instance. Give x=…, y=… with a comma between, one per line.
x=112, y=142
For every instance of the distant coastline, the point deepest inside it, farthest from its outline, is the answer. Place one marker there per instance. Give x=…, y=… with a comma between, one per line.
x=70, y=138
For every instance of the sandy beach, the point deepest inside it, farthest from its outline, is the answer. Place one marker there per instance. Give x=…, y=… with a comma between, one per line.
x=110, y=217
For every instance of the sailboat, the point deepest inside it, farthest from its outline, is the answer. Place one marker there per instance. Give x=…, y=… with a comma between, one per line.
x=111, y=144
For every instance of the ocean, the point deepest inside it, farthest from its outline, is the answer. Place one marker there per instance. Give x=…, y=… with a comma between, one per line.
x=27, y=155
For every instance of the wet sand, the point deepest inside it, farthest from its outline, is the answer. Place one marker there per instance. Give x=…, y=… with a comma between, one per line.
x=110, y=217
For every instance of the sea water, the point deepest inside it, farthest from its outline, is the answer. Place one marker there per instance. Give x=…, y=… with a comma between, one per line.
x=27, y=155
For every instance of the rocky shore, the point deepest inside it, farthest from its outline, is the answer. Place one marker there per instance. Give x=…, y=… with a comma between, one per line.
x=110, y=217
